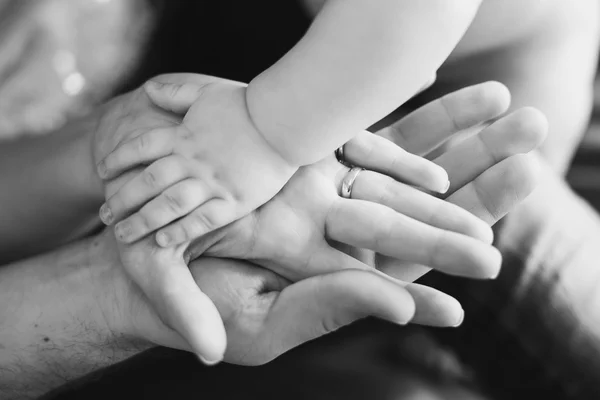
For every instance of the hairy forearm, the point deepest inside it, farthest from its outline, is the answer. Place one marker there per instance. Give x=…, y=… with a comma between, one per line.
x=52, y=325
x=359, y=61
x=50, y=192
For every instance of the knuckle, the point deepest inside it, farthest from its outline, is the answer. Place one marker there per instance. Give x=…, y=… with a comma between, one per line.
x=174, y=202
x=149, y=178
x=437, y=254
x=143, y=220
x=449, y=109
x=143, y=143
x=174, y=90
x=200, y=223
x=382, y=235
x=387, y=192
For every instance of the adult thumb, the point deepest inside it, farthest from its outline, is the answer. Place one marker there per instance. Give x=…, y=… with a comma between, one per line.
x=319, y=305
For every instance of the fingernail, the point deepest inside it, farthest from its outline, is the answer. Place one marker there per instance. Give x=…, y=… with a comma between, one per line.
x=495, y=275
x=460, y=319
x=163, y=239
x=102, y=170
x=122, y=231
x=446, y=188
x=154, y=84
x=208, y=362
x=106, y=215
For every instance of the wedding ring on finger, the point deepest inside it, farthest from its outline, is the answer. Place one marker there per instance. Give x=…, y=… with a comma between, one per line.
x=348, y=182
x=339, y=155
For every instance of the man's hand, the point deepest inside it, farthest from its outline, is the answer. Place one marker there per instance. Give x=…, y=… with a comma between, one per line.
x=266, y=316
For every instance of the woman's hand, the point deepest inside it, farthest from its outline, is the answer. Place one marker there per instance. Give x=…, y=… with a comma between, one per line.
x=297, y=234
x=494, y=154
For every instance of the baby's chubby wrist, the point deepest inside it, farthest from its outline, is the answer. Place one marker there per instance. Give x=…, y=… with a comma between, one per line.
x=278, y=140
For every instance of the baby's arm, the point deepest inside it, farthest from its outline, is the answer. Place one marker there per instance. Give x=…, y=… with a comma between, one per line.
x=359, y=61
x=185, y=181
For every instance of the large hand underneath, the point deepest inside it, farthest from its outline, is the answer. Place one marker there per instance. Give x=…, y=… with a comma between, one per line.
x=187, y=316
x=266, y=316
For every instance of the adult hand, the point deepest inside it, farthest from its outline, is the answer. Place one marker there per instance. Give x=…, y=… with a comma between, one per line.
x=265, y=332
x=306, y=216
x=482, y=168
x=264, y=314
x=298, y=226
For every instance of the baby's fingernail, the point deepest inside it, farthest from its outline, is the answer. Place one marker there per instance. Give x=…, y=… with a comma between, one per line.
x=163, y=239
x=208, y=362
x=106, y=215
x=102, y=170
x=154, y=85
x=123, y=231
x=460, y=320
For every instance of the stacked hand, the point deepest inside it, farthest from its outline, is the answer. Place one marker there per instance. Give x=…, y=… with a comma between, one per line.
x=297, y=233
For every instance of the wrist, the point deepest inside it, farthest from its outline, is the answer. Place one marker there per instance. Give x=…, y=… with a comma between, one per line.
x=115, y=296
x=276, y=142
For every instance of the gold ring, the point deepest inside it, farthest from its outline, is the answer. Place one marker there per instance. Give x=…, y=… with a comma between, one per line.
x=348, y=182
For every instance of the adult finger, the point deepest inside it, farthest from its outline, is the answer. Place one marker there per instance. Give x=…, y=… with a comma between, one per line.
x=431, y=125
x=387, y=232
x=489, y=197
x=377, y=153
x=518, y=133
x=498, y=190
x=172, y=291
x=414, y=203
x=435, y=308
x=316, y=306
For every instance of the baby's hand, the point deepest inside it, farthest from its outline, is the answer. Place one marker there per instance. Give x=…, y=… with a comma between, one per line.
x=209, y=171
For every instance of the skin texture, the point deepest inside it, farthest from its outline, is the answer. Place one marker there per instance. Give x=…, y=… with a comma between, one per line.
x=314, y=99
x=105, y=314
x=163, y=275
x=169, y=289
x=548, y=55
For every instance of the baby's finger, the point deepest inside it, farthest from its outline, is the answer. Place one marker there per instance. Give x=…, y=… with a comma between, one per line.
x=372, y=226
x=379, y=154
x=213, y=214
x=175, y=97
x=413, y=203
x=181, y=304
x=175, y=202
x=433, y=124
x=143, y=187
x=142, y=149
